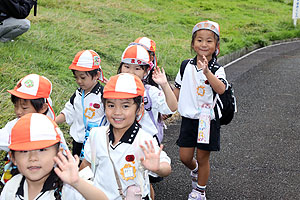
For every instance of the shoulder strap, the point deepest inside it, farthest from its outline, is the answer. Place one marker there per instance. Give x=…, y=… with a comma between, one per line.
x=147, y=87
x=115, y=171
x=182, y=67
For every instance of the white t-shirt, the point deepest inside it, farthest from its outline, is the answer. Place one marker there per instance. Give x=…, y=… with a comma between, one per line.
x=126, y=157
x=93, y=109
x=195, y=90
x=159, y=105
x=5, y=135
x=10, y=190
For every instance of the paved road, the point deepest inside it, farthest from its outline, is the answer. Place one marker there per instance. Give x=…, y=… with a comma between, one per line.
x=260, y=156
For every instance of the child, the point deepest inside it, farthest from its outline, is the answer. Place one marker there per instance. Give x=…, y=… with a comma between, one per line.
x=34, y=149
x=195, y=91
x=30, y=95
x=84, y=110
x=136, y=60
x=119, y=149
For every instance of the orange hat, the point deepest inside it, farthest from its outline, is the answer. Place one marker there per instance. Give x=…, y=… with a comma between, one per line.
x=136, y=54
x=86, y=60
x=123, y=86
x=34, y=86
x=34, y=131
x=148, y=43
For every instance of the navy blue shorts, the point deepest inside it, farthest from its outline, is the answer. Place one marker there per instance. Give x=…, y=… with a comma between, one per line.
x=189, y=133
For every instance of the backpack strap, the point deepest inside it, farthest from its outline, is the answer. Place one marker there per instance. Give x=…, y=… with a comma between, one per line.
x=149, y=106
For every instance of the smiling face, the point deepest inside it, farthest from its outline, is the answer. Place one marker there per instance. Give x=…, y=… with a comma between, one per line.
x=121, y=113
x=205, y=43
x=135, y=69
x=35, y=165
x=85, y=81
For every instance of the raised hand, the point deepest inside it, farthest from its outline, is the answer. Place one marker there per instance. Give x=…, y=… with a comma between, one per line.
x=67, y=168
x=159, y=76
x=152, y=159
x=203, y=65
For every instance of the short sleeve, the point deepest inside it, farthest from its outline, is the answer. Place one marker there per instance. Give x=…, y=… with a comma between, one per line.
x=178, y=80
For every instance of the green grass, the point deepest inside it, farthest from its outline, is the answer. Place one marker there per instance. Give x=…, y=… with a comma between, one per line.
x=64, y=27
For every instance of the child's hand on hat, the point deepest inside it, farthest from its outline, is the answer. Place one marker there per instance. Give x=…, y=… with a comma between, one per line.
x=67, y=168
x=159, y=76
x=151, y=161
x=204, y=65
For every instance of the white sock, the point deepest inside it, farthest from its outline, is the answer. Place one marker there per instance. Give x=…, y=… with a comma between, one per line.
x=201, y=188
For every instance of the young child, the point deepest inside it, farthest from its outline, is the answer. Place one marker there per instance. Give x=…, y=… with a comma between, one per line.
x=44, y=173
x=200, y=127
x=117, y=152
x=30, y=95
x=84, y=110
x=136, y=60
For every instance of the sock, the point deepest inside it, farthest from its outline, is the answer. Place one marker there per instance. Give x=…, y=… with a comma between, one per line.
x=195, y=171
x=201, y=188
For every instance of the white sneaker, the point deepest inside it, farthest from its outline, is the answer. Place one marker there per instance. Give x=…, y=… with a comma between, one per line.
x=194, y=179
x=195, y=195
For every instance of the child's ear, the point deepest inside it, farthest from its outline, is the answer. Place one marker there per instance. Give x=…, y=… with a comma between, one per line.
x=12, y=158
x=44, y=108
x=140, y=110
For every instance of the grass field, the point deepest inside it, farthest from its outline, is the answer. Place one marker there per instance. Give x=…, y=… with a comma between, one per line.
x=64, y=27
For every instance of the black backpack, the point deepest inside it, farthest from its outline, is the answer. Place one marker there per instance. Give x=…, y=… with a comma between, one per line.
x=225, y=102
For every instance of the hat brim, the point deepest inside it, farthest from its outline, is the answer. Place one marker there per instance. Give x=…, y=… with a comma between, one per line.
x=33, y=145
x=23, y=95
x=119, y=95
x=84, y=69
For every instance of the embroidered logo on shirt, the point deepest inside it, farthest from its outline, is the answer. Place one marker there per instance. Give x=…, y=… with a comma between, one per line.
x=201, y=90
x=128, y=172
x=89, y=113
x=96, y=105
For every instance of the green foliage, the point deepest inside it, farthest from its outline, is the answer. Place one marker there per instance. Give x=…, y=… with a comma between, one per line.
x=64, y=27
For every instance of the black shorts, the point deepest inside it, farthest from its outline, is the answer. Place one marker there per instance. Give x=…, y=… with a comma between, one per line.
x=189, y=133
x=77, y=147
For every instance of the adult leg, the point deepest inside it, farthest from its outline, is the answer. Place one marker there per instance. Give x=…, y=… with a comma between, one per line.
x=186, y=155
x=203, y=166
x=12, y=28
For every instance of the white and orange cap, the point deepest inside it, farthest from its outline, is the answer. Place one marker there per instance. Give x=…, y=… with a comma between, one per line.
x=208, y=25
x=147, y=42
x=34, y=86
x=123, y=86
x=136, y=54
x=34, y=131
x=87, y=60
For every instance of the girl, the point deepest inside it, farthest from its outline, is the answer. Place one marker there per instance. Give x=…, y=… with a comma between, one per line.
x=34, y=149
x=195, y=91
x=117, y=153
x=84, y=110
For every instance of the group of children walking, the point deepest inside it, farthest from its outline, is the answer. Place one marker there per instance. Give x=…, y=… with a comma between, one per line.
x=115, y=128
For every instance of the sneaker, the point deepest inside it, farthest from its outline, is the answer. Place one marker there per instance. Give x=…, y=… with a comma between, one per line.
x=194, y=180
x=195, y=195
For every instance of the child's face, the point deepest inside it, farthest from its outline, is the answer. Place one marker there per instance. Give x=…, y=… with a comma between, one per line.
x=121, y=113
x=205, y=43
x=134, y=69
x=85, y=81
x=35, y=165
x=23, y=106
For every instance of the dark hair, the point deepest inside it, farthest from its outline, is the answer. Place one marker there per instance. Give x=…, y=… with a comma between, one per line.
x=137, y=100
x=57, y=183
x=36, y=103
x=92, y=73
x=194, y=36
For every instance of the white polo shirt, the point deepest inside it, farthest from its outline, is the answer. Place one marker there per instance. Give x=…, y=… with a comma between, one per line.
x=93, y=110
x=126, y=157
x=195, y=89
x=159, y=105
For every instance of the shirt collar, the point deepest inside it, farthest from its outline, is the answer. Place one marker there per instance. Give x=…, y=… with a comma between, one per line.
x=128, y=136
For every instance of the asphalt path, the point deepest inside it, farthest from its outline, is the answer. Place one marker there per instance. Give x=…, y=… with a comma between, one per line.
x=259, y=156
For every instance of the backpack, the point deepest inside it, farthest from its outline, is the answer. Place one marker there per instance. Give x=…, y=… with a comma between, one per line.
x=226, y=102
x=159, y=124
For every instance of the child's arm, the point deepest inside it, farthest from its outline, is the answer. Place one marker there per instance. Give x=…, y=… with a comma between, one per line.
x=84, y=164
x=160, y=78
x=61, y=118
x=176, y=92
x=217, y=85
x=67, y=171
x=152, y=160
